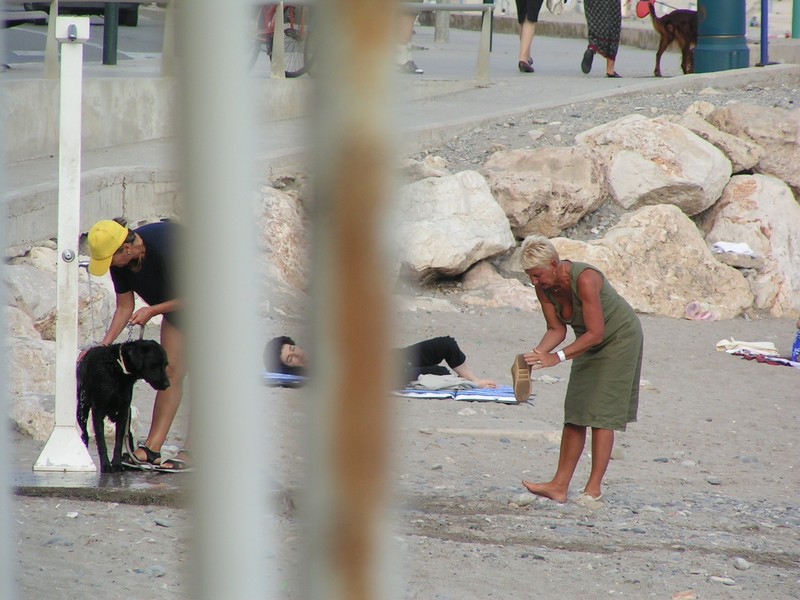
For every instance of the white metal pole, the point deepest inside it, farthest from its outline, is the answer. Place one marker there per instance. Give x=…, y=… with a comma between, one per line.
x=8, y=561
x=64, y=450
x=229, y=433
x=278, y=64
x=484, y=46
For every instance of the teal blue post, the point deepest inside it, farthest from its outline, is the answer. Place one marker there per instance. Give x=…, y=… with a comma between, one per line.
x=110, y=33
x=796, y=19
x=721, y=43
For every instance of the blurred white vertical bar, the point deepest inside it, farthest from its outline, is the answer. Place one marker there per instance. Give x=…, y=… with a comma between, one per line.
x=347, y=495
x=228, y=414
x=278, y=61
x=51, y=44
x=168, y=66
x=7, y=530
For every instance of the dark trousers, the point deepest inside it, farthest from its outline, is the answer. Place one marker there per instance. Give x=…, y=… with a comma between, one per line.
x=423, y=358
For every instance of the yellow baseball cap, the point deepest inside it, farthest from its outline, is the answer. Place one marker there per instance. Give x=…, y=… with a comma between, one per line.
x=105, y=238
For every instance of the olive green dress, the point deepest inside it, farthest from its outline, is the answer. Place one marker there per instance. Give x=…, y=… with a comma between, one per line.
x=603, y=388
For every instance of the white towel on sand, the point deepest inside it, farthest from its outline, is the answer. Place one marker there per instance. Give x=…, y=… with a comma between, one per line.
x=731, y=345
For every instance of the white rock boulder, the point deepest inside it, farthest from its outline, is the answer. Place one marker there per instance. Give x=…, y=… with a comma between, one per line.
x=545, y=190
x=444, y=225
x=657, y=260
x=743, y=153
x=776, y=129
x=283, y=237
x=656, y=161
x=484, y=286
x=31, y=366
x=761, y=211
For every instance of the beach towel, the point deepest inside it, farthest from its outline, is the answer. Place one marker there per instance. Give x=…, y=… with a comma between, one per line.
x=770, y=360
x=731, y=346
x=503, y=394
x=282, y=379
x=441, y=382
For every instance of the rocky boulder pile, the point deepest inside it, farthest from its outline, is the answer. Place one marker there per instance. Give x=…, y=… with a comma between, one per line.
x=682, y=183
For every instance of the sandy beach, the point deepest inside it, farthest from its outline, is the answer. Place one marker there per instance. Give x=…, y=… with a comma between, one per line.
x=701, y=495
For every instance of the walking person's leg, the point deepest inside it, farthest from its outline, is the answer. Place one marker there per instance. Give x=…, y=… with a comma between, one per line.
x=527, y=29
x=406, y=64
x=604, y=24
x=573, y=439
x=527, y=17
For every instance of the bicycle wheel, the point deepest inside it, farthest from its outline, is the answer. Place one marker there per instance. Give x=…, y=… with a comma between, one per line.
x=260, y=35
x=257, y=46
x=293, y=52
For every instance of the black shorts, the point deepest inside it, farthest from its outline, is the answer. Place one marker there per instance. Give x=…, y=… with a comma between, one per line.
x=528, y=9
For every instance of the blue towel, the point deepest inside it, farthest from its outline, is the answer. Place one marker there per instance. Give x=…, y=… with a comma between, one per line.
x=282, y=379
x=503, y=394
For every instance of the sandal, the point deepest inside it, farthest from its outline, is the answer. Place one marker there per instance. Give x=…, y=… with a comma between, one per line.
x=148, y=464
x=178, y=465
x=590, y=502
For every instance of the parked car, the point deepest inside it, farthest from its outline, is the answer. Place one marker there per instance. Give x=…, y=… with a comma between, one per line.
x=128, y=12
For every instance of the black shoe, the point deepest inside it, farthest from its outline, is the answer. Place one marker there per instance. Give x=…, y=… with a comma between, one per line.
x=614, y=75
x=586, y=63
x=410, y=67
x=525, y=67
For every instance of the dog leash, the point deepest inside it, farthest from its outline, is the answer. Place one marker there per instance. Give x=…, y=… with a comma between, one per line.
x=662, y=4
x=121, y=362
x=130, y=332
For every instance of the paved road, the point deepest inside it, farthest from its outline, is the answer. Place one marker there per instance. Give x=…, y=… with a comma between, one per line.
x=442, y=102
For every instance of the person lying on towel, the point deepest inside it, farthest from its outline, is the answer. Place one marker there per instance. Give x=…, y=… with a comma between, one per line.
x=283, y=355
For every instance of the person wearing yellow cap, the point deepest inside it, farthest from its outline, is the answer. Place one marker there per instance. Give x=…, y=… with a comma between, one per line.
x=141, y=261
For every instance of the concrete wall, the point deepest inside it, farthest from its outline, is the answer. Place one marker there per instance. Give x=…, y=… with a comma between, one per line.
x=138, y=193
x=118, y=111
x=115, y=111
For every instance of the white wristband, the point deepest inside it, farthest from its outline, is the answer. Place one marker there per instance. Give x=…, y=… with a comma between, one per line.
x=561, y=356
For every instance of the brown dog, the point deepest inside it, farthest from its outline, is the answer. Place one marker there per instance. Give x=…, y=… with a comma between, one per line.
x=678, y=26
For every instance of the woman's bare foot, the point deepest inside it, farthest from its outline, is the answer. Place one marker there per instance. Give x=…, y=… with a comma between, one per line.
x=546, y=490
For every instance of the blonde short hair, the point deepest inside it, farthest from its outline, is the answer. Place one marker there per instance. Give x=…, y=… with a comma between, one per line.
x=537, y=252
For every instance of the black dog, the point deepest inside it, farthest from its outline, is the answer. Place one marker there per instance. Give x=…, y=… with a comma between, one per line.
x=106, y=375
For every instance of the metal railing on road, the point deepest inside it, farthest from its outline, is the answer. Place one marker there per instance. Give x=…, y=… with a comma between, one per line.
x=277, y=69
x=484, y=46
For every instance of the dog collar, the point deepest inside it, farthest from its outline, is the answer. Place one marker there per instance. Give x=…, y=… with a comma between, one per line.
x=121, y=363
